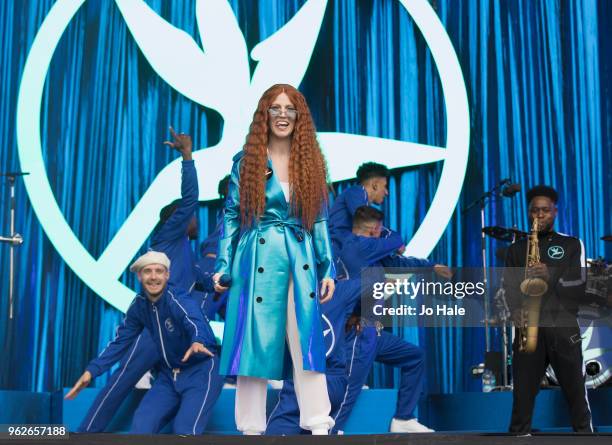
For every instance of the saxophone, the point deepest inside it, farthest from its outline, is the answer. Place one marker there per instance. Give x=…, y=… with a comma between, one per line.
x=533, y=289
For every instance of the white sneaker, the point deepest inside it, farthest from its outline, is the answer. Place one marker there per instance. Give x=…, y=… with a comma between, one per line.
x=320, y=429
x=408, y=426
x=320, y=432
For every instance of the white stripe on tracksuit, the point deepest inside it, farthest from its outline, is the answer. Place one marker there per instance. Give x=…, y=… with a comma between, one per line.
x=114, y=384
x=348, y=378
x=212, y=366
x=183, y=309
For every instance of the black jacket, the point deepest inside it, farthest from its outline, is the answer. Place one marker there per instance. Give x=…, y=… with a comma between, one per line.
x=565, y=258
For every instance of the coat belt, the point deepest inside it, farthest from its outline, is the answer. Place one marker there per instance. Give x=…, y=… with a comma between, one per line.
x=298, y=229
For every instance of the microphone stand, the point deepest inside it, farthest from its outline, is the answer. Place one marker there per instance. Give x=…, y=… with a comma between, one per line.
x=14, y=239
x=502, y=305
x=508, y=339
x=482, y=202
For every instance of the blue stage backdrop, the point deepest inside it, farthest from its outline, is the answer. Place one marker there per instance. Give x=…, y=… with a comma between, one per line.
x=538, y=78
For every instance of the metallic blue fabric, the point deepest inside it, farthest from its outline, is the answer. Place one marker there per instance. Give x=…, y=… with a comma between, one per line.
x=261, y=260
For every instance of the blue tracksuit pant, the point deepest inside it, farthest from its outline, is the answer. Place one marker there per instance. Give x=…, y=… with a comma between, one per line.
x=365, y=348
x=188, y=397
x=141, y=356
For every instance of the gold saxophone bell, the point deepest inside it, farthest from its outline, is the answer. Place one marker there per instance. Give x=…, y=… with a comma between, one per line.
x=533, y=289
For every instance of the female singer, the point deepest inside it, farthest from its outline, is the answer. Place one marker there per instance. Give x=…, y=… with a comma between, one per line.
x=275, y=246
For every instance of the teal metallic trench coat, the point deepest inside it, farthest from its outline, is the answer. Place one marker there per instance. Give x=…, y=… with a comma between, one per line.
x=259, y=260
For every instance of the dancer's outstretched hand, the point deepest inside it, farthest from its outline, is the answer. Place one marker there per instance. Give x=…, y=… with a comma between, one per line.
x=83, y=381
x=196, y=348
x=181, y=143
x=443, y=271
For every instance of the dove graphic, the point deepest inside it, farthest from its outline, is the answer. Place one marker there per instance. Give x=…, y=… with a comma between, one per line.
x=217, y=75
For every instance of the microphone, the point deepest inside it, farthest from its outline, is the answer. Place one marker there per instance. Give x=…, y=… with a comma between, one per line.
x=510, y=190
x=225, y=280
x=14, y=174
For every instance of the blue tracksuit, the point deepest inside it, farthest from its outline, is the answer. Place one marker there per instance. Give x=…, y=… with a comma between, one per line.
x=363, y=350
x=136, y=359
x=285, y=418
x=366, y=347
x=342, y=211
x=359, y=252
x=211, y=302
x=175, y=322
x=171, y=237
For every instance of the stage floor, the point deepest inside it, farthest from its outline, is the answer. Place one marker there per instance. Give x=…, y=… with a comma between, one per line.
x=464, y=417
x=373, y=439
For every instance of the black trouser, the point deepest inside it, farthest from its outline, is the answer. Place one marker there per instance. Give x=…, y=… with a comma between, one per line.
x=561, y=348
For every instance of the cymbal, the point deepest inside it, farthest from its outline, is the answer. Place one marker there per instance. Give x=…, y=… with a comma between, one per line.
x=607, y=238
x=503, y=233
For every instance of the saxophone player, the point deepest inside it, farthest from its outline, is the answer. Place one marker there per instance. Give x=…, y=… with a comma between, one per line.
x=561, y=265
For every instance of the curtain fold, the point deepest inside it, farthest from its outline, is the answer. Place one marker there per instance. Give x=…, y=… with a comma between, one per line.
x=538, y=77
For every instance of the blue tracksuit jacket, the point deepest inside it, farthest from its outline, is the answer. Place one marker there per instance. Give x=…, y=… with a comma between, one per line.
x=174, y=321
x=341, y=214
x=171, y=237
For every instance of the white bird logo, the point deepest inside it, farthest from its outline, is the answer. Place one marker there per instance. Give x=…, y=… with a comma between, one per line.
x=556, y=252
x=217, y=76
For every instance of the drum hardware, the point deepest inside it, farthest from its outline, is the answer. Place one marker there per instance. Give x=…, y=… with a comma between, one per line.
x=503, y=311
x=598, y=290
x=596, y=350
x=595, y=326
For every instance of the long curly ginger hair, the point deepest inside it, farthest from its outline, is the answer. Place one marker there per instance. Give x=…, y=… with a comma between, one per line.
x=307, y=167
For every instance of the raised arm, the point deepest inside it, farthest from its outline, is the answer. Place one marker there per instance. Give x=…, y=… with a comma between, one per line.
x=176, y=226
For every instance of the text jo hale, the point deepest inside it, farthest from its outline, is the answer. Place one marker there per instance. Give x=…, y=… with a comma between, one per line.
x=426, y=311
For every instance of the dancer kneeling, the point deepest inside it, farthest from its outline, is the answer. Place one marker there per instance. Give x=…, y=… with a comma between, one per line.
x=185, y=343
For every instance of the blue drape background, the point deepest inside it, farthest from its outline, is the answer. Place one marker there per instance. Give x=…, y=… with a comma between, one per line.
x=539, y=82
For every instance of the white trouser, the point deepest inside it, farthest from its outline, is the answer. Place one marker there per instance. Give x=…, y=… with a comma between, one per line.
x=310, y=389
